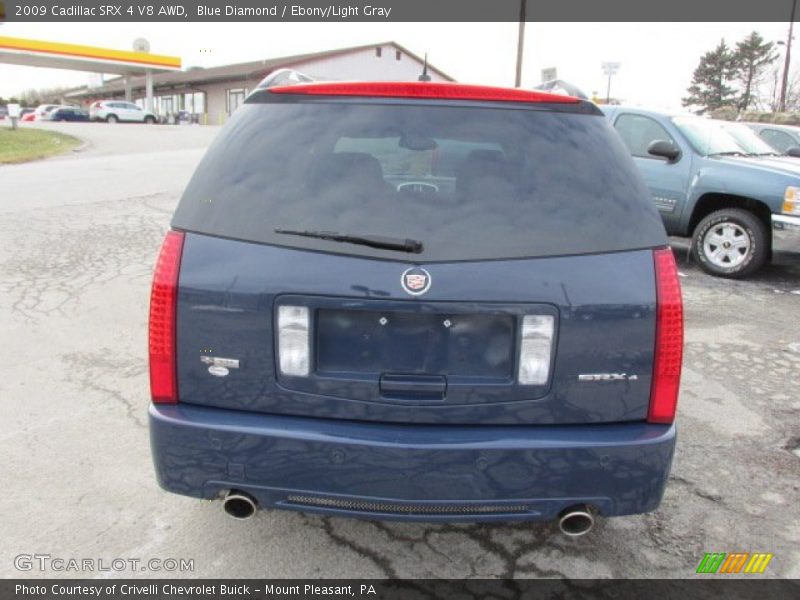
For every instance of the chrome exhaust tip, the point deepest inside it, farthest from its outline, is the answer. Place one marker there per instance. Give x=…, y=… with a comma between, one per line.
x=576, y=521
x=239, y=505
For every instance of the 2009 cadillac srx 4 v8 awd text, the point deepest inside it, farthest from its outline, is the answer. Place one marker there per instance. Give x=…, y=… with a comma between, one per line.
x=418, y=301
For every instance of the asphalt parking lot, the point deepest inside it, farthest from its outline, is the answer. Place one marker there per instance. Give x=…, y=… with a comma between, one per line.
x=78, y=238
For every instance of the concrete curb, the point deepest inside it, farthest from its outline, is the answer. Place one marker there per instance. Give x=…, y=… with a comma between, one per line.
x=84, y=145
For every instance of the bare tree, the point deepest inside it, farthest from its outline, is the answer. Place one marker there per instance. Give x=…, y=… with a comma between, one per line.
x=793, y=92
x=34, y=97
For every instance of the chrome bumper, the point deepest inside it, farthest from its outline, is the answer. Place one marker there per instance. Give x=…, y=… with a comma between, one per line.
x=785, y=233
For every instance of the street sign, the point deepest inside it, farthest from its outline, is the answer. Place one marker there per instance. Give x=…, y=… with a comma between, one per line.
x=610, y=68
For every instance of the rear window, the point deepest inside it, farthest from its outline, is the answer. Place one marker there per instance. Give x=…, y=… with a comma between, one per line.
x=467, y=182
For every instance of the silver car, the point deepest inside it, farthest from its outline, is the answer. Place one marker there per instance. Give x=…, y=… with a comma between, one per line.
x=781, y=137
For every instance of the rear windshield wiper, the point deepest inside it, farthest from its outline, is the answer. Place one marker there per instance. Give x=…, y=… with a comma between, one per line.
x=373, y=241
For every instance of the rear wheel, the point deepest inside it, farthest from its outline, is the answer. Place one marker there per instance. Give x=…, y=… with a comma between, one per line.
x=731, y=243
x=112, y=119
x=149, y=120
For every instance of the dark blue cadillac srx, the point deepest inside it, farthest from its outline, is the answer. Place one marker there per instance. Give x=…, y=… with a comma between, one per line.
x=416, y=301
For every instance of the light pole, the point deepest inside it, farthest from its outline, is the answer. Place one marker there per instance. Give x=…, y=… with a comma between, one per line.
x=786, y=60
x=520, y=42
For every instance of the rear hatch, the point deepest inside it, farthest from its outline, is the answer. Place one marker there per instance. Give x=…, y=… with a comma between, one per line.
x=418, y=261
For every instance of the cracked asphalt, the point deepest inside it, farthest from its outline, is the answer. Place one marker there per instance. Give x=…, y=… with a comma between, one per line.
x=78, y=238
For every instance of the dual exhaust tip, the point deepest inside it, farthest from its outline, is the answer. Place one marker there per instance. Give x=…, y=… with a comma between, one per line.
x=574, y=521
x=239, y=505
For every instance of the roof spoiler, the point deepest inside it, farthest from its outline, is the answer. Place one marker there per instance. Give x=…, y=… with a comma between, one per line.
x=283, y=77
x=559, y=86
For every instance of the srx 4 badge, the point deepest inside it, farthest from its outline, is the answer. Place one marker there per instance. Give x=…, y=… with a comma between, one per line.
x=607, y=377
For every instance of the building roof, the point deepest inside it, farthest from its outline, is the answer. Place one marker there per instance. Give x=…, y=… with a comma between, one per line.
x=258, y=69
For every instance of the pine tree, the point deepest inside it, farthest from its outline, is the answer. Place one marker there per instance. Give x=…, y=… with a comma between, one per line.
x=710, y=87
x=753, y=57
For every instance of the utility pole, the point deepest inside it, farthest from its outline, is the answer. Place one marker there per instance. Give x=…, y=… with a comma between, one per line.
x=520, y=42
x=786, y=60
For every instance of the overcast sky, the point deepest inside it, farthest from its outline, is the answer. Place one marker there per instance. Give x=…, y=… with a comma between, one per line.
x=657, y=59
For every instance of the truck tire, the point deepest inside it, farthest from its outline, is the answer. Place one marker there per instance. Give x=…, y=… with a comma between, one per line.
x=731, y=243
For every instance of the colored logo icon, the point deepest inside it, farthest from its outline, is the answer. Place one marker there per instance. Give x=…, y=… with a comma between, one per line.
x=735, y=562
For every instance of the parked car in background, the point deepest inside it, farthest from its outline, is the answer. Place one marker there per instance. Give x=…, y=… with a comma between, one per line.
x=41, y=111
x=754, y=146
x=117, y=111
x=29, y=116
x=3, y=112
x=68, y=113
x=782, y=138
x=736, y=208
x=416, y=301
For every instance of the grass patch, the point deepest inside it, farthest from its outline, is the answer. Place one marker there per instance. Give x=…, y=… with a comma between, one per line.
x=24, y=144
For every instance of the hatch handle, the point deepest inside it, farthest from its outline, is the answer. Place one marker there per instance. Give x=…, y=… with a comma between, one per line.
x=413, y=387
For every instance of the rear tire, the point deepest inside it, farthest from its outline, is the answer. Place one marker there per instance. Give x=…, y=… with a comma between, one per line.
x=731, y=243
x=149, y=120
x=112, y=119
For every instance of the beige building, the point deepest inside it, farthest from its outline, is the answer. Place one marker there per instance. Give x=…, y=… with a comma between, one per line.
x=211, y=95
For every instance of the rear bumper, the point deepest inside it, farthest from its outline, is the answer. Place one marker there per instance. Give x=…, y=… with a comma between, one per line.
x=785, y=233
x=411, y=472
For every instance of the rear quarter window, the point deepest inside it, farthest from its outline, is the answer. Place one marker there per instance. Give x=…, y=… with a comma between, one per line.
x=469, y=182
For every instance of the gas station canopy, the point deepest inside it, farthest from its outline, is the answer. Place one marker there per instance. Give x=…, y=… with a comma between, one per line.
x=54, y=55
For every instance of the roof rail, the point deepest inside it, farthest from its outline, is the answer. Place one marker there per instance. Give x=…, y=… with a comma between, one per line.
x=283, y=77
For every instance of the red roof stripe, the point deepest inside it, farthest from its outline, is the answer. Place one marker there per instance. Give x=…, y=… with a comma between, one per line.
x=419, y=89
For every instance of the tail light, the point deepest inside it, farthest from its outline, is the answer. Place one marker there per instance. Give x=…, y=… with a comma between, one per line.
x=669, y=339
x=415, y=89
x=163, y=305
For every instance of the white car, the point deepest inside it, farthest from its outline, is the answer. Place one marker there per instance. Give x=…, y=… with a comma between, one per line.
x=43, y=110
x=115, y=111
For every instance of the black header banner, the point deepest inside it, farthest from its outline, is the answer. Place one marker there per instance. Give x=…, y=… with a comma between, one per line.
x=392, y=10
x=402, y=589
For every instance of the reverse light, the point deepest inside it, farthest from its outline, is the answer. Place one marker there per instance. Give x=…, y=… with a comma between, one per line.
x=669, y=339
x=163, y=305
x=293, y=340
x=535, y=349
x=791, y=201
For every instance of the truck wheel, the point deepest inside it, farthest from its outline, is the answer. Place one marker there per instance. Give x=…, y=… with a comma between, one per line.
x=731, y=243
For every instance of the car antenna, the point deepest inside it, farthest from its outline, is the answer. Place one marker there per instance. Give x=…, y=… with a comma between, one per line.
x=424, y=76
